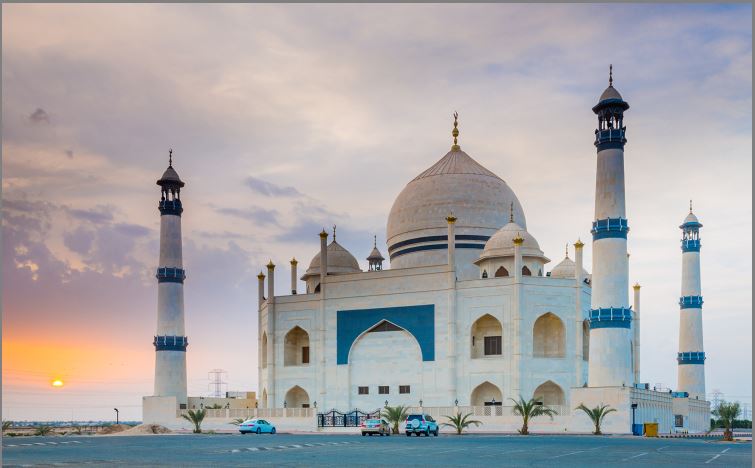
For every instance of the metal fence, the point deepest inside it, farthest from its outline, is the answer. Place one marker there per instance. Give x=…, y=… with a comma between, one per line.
x=249, y=413
x=354, y=418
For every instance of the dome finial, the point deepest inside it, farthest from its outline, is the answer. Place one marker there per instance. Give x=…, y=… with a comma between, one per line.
x=455, y=133
x=334, y=233
x=170, y=157
x=567, y=250
x=374, y=245
x=690, y=206
x=511, y=213
x=610, y=75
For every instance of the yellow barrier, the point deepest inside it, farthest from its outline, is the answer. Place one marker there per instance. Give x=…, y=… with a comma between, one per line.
x=651, y=429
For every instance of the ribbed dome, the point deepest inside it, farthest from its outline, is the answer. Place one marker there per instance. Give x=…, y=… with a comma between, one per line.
x=566, y=269
x=340, y=260
x=502, y=243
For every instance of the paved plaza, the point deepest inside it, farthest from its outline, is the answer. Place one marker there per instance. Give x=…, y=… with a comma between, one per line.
x=354, y=450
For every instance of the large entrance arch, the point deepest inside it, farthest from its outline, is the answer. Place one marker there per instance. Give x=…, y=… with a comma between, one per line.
x=296, y=347
x=297, y=397
x=486, y=393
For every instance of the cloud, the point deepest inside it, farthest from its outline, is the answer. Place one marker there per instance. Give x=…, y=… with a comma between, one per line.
x=100, y=215
x=39, y=116
x=69, y=153
x=270, y=189
x=256, y=214
x=80, y=240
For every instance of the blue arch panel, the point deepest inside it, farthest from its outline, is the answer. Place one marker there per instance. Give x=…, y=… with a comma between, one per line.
x=418, y=320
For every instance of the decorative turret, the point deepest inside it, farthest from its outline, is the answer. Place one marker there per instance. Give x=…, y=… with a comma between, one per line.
x=691, y=357
x=170, y=342
x=610, y=363
x=375, y=259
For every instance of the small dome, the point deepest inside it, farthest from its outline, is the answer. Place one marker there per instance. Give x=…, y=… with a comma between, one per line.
x=691, y=220
x=567, y=269
x=501, y=244
x=375, y=254
x=610, y=93
x=170, y=177
x=340, y=260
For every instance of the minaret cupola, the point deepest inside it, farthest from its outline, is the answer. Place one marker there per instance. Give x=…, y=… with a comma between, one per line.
x=611, y=132
x=375, y=259
x=170, y=183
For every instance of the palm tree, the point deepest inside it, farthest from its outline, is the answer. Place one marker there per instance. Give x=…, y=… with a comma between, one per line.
x=238, y=421
x=394, y=415
x=596, y=414
x=196, y=418
x=459, y=422
x=528, y=410
x=43, y=430
x=7, y=425
x=727, y=413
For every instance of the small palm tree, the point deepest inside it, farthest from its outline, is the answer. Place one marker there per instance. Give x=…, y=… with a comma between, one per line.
x=394, y=415
x=7, y=425
x=43, y=431
x=460, y=422
x=196, y=418
x=596, y=414
x=528, y=410
x=238, y=421
x=727, y=413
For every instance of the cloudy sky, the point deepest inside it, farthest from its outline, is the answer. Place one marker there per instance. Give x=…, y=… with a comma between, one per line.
x=285, y=119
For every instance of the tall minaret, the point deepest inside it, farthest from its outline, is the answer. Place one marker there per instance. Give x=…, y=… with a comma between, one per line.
x=691, y=357
x=170, y=341
x=610, y=363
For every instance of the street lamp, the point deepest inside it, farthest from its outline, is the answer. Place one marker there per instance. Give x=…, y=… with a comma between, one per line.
x=386, y=403
x=456, y=402
x=284, y=403
x=116, y=415
x=315, y=404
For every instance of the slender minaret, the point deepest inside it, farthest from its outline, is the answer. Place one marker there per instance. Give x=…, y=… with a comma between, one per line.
x=691, y=357
x=170, y=342
x=610, y=362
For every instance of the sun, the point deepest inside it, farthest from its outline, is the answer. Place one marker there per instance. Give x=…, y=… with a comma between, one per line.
x=57, y=383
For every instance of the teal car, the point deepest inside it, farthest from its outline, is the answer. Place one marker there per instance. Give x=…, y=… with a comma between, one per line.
x=256, y=426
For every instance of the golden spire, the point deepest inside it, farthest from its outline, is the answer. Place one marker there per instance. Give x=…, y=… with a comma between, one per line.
x=294, y=261
x=271, y=265
x=518, y=240
x=579, y=244
x=455, y=133
x=636, y=286
x=451, y=219
x=261, y=276
x=323, y=234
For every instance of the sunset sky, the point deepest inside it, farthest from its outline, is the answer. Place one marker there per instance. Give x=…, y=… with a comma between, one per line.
x=287, y=119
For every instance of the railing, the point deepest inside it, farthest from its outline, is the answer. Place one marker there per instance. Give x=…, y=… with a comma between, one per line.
x=354, y=418
x=249, y=413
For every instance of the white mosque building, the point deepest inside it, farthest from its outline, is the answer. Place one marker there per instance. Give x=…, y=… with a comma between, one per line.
x=468, y=314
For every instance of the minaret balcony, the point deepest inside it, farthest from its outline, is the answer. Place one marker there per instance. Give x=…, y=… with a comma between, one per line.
x=170, y=343
x=693, y=357
x=691, y=302
x=609, y=227
x=690, y=245
x=611, y=317
x=170, y=207
x=170, y=275
x=610, y=138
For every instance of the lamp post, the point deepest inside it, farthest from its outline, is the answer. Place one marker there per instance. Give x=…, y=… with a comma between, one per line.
x=284, y=403
x=116, y=415
x=634, y=407
x=315, y=404
x=386, y=403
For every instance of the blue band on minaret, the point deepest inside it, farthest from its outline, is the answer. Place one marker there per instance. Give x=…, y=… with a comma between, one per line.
x=170, y=207
x=691, y=302
x=170, y=275
x=612, y=138
x=691, y=245
x=609, y=228
x=693, y=357
x=170, y=343
x=611, y=317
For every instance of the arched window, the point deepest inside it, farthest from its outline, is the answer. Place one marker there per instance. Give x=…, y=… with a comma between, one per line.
x=549, y=394
x=487, y=337
x=586, y=340
x=540, y=272
x=526, y=271
x=501, y=272
x=263, y=350
x=297, y=397
x=296, y=347
x=548, y=337
x=484, y=274
x=486, y=394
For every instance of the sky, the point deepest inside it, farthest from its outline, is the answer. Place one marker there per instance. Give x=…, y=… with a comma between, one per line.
x=285, y=119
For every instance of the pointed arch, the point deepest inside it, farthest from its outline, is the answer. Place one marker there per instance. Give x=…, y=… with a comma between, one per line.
x=501, y=272
x=263, y=351
x=550, y=394
x=548, y=337
x=486, y=337
x=586, y=340
x=297, y=397
x=485, y=394
x=296, y=347
x=526, y=271
x=382, y=326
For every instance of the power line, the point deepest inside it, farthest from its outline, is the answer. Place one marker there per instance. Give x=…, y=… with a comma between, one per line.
x=216, y=382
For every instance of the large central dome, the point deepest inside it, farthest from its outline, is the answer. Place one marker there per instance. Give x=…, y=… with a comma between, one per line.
x=481, y=201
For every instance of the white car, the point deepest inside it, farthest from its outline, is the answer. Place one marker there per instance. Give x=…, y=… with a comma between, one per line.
x=257, y=426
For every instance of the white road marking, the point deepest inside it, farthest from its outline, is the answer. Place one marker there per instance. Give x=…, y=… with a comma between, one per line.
x=570, y=453
x=725, y=450
x=635, y=456
x=716, y=456
x=452, y=450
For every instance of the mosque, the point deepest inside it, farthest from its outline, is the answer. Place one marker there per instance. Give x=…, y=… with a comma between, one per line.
x=468, y=314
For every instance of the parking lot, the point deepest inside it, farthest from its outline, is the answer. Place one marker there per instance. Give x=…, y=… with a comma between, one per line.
x=354, y=450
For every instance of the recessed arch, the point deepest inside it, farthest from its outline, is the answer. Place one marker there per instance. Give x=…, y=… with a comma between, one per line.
x=485, y=393
x=586, y=340
x=297, y=397
x=263, y=351
x=264, y=398
x=486, y=337
x=296, y=347
x=501, y=272
x=526, y=271
x=550, y=394
x=548, y=337
x=381, y=326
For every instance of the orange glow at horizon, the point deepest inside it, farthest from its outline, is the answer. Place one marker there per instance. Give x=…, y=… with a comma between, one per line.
x=57, y=383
